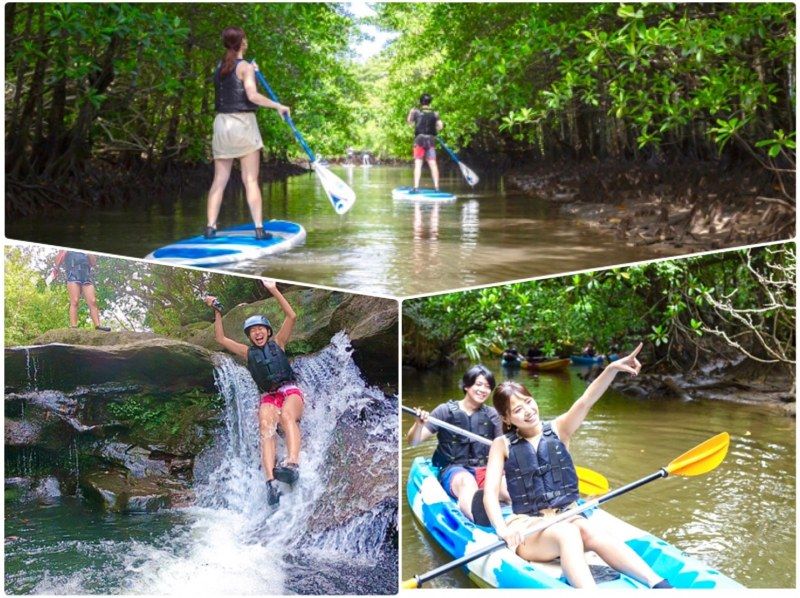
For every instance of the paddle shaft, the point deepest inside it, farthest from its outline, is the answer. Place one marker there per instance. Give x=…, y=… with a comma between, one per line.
x=448, y=150
x=451, y=427
x=287, y=118
x=544, y=524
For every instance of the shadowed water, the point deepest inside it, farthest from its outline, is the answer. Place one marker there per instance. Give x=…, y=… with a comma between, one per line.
x=490, y=234
x=739, y=518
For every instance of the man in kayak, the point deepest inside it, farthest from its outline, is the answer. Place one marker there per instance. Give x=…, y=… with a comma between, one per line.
x=80, y=281
x=462, y=461
x=281, y=399
x=427, y=125
x=543, y=482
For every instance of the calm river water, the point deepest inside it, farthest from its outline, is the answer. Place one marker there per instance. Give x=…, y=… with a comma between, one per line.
x=381, y=246
x=740, y=518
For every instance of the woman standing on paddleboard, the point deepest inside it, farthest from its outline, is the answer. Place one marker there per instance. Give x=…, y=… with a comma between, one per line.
x=282, y=400
x=236, y=133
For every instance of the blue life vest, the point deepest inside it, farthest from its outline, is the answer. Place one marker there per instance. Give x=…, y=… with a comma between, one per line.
x=457, y=449
x=540, y=479
x=269, y=366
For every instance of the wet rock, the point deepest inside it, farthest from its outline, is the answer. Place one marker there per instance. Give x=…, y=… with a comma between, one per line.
x=22, y=432
x=48, y=490
x=123, y=494
x=135, y=459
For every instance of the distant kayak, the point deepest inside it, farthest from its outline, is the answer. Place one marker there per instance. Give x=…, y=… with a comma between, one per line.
x=236, y=244
x=549, y=365
x=584, y=360
x=422, y=194
x=439, y=515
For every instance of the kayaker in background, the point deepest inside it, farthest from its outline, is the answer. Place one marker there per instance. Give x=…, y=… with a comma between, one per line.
x=80, y=281
x=588, y=350
x=462, y=461
x=542, y=481
x=281, y=399
x=236, y=133
x=510, y=356
x=427, y=125
x=535, y=354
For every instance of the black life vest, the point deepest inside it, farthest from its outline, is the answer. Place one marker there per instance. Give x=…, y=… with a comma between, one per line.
x=269, y=366
x=425, y=122
x=77, y=263
x=456, y=449
x=541, y=479
x=230, y=93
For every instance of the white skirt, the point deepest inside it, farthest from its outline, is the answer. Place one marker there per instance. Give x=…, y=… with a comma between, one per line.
x=235, y=135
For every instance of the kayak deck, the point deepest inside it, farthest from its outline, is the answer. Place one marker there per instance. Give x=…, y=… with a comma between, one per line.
x=458, y=536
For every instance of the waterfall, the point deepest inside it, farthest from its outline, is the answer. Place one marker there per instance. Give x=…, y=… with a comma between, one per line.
x=32, y=368
x=237, y=544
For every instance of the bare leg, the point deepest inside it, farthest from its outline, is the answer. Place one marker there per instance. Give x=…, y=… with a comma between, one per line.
x=434, y=173
x=417, y=173
x=464, y=486
x=560, y=540
x=268, y=417
x=74, y=292
x=250, y=165
x=91, y=301
x=222, y=172
x=290, y=417
x=616, y=553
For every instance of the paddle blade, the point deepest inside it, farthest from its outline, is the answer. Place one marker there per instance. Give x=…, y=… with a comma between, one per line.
x=410, y=584
x=341, y=195
x=591, y=483
x=470, y=176
x=702, y=458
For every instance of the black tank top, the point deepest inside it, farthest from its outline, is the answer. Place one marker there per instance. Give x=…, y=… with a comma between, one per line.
x=230, y=93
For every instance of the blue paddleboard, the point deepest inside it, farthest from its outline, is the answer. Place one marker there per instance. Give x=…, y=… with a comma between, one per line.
x=422, y=194
x=236, y=244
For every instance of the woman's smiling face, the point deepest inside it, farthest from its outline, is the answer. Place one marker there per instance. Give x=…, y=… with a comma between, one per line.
x=259, y=335
x=523, y=413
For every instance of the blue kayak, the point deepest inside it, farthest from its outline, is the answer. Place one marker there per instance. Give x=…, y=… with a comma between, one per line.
x=236, y=244
x=584, y=360
x=422, y=194
x=457, y=535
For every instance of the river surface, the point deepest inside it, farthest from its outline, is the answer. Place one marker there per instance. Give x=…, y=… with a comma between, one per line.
x=740, y=518
x=398, y=248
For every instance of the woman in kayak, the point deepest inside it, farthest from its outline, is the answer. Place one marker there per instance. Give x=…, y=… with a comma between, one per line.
x=281, y=399
x=542, y=481
x=236, y=133
x=462, y=461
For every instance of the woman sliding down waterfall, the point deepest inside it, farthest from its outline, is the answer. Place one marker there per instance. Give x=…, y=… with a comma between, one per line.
x=281, y=399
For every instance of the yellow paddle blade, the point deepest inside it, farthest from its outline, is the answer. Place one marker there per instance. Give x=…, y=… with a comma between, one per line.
x=702, y=458
x=410, y=584
x=591, y=483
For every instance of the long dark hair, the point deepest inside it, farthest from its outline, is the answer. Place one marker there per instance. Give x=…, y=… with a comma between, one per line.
x=501, y=399
x=232, y=38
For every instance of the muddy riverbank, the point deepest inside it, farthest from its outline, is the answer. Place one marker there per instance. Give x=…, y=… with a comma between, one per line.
x=686, y=206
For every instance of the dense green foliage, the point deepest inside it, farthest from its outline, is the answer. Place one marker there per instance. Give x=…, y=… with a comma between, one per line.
x=131, y=295
x=132, y=83
x=745, y=298
x=597, y=80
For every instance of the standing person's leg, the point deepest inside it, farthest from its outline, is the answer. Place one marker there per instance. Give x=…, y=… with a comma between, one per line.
x=430, y=154
x=222, y=172
x=417, y=172
x=250, y=165
x=290, y=421
x=90, y=297
x=74, y=292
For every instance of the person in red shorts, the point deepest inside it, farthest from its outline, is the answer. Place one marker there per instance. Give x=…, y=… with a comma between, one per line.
x=462, y=461
x=281, y=399
x=427, y=125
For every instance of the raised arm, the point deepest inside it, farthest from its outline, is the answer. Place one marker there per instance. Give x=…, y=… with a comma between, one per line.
x=219, y=333
x=284, y=334
x=248, y=77
x=570, y=421
x=498, y=454
x=419, y=432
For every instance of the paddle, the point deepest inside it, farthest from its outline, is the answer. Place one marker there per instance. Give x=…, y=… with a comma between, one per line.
x=701, y=459
x=590, y=482
x=342, y=197
x=469, y=174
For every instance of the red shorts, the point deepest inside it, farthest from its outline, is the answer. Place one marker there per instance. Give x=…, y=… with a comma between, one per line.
x=420, y=153
x=278, y=397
